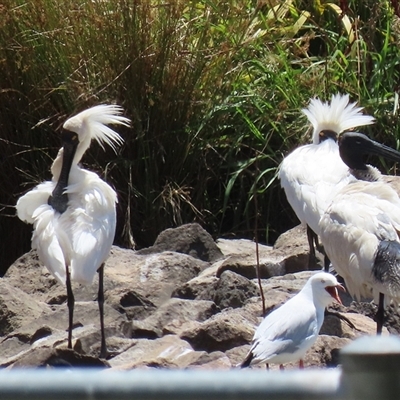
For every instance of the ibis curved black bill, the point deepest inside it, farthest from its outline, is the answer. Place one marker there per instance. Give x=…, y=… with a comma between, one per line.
x=353, y=146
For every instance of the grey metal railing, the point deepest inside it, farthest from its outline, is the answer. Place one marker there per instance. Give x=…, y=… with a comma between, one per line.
x=370, y=370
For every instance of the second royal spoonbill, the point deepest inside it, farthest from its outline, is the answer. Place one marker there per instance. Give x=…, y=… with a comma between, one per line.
x=287, y=333
x=313, y=173
x=360, y=230
x=74, y=214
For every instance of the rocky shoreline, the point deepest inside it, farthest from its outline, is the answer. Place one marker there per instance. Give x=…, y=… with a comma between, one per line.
x=186, y=302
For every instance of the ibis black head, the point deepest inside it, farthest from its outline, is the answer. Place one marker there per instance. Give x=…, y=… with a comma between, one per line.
x=353, y=146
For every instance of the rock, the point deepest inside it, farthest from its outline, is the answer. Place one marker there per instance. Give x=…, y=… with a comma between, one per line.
x=240, y=257
x=214, y=360
x=294, y=245
x=156, y=276
x=222, y=331
x=47, y=357
x=325, y=351
x=171, y=316
x=334, y=326
x=232, y=290
x=17, y=308
x=30, y=276
x=85, y=313
x=392, y=317
x=199, y=287
x=289, y=255
x=167, y=352
x=190, y=239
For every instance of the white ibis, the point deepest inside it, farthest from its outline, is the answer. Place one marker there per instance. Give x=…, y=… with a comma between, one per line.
x=74, y=214
x=360, y=229
x=287, y=333
x=313, y=173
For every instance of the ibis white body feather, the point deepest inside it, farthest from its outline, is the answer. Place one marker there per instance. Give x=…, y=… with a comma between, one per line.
x=82, y=236
x=312, y=174
x=359, y=218
x=288, y=332
x=360, y=228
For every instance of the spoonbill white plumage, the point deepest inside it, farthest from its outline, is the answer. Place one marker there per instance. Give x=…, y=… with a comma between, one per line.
x=74, y=214
x=313, y=173
x=288, y=332
x=360, y=229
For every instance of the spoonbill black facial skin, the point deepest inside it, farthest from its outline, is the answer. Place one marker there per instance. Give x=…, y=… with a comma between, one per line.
x=360, y=229
x=288, y=332
x=312, y=174
x=74, y=215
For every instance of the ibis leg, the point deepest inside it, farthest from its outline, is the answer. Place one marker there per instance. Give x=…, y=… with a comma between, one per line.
x=380, y=314
x=71, y=304
x=100, y=300
x=311, y=236
x=327, y=263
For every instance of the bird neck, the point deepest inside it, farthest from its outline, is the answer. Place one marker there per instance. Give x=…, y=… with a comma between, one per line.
x=369, y=173
x=80, y=150
x=59, y=199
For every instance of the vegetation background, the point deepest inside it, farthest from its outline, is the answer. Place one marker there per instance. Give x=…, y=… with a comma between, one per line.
x=214, y=90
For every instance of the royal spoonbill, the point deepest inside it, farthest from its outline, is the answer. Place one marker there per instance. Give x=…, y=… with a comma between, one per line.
x=74, y=214
x=360, y=229
x=313, y=173
x=287, y=333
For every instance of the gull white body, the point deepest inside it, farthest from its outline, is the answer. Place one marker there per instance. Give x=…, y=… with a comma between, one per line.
x=312, y=174
x=82, y=236
x=287, y=333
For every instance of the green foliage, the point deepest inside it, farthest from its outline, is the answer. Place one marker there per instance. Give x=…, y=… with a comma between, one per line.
x=214, y=90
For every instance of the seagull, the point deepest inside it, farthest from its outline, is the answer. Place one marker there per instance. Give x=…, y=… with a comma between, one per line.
x=360, y=230
x=74, y=214
x=313, y=173
x=289, y=331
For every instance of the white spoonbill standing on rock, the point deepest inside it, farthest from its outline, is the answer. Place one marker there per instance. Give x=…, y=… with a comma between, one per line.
x=287, y=333
x=312, y=174
x=74, y=214
x=360, y=230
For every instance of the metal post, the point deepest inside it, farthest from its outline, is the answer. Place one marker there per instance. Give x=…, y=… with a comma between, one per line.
x=371, y=369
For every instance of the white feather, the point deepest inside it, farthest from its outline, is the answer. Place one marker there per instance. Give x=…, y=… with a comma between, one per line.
x=312, y=174
x=82, y=236
x=359, y=217
x=288, y=332
x=338, y=116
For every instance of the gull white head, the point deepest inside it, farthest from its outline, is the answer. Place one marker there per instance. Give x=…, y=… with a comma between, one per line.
x=324, y=288
x=335, y=117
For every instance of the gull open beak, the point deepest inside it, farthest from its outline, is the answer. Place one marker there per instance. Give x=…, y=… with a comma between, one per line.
x=333, y=291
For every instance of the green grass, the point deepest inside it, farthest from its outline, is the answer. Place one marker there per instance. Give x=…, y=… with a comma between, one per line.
x=214, y=91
